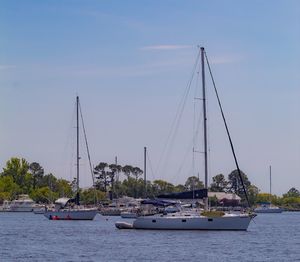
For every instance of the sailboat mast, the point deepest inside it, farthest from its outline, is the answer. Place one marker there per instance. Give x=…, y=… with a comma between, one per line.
x=204, y=125
x=145, y=171
x=270, y=182
x=77, y=155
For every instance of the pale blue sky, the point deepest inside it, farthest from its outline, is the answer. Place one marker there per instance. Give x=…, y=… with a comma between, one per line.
x=130, y=61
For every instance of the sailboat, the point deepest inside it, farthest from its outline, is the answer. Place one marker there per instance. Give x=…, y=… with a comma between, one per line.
x=70, y=209
x=194, y=220
x=267, y=207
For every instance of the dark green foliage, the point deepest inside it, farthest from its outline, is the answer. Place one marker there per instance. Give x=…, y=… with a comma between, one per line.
x=235, y=184
x=193, y=183
x=293, y=192
x=20, y=177
x=37, y=173
x=219, y=184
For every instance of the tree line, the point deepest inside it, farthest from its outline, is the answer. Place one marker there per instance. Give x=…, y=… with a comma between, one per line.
x=114, y=181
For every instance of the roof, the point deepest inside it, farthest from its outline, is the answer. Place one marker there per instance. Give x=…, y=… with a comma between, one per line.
x=223, y=195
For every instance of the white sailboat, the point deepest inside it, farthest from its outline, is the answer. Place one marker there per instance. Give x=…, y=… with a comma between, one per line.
x=64, y=212
x=190, y=220
x=267, y=207
x=69, y=209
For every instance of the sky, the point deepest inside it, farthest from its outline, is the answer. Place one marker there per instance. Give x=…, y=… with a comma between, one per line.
x=130, y=62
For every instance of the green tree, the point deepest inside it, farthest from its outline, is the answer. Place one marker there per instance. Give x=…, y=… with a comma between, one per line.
x=179, y=188
x=4, y=196
x=292, y=203
x=9, y=190
x=136, y=172
x=127, y=170
x=119, y=189
x=162, y=187
x=193, y=183
x=88, y=196
x=17, y=168
x=37, y=173
x=27, y=183
x=50, y=181
x=101, y=176
x=129, y=186
x=43, y=195
x=64, y=188
x=263, y=197
x=293, y=192
x=116, y=169
x=219, y=184
x=252, y=194
x=235, y=183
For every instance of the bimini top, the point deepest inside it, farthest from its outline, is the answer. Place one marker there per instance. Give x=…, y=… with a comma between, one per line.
x=62, y=201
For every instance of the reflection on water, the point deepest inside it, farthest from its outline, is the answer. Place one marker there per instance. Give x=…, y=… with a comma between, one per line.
x=29, y=237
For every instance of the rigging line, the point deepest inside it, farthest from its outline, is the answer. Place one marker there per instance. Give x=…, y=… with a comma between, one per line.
x=227, y=131
x=151, y=193
x=87, y=146
x=188, y=150
x=64, y=162
x=194, y=118
x=72, y=141
x=150, y=164
x=178, y=114
x=209, y=172
x=195, y=136
x=195, y=125
x=183, y=161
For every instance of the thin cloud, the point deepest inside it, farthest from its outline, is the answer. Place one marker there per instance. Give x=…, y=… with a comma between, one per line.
x=165, y=47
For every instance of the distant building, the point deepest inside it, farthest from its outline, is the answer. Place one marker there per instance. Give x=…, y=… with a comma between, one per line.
x=226, y=199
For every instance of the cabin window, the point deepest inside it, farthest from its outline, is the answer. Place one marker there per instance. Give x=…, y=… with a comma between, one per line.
x=183, y=220
x=210, y=219
x=153, y=221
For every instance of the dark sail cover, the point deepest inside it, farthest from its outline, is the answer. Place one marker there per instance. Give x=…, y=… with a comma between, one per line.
x=157, y=202
x=194, y=194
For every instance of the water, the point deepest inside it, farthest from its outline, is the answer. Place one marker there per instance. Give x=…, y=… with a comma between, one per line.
x=29, y=237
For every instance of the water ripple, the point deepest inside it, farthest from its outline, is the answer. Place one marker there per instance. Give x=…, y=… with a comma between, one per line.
x=29, y=237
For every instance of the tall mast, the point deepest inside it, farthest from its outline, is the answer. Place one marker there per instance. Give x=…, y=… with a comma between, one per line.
x=270, y=182
x=145, y=170
x=204, y=124
x=77, y=140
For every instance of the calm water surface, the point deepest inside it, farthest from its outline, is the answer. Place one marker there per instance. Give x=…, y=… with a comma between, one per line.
x=29, y=237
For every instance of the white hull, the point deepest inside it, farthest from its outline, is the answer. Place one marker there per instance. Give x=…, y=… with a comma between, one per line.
x=22, y=204
x=129, y=215
x=88, y=214
x=194, y=222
